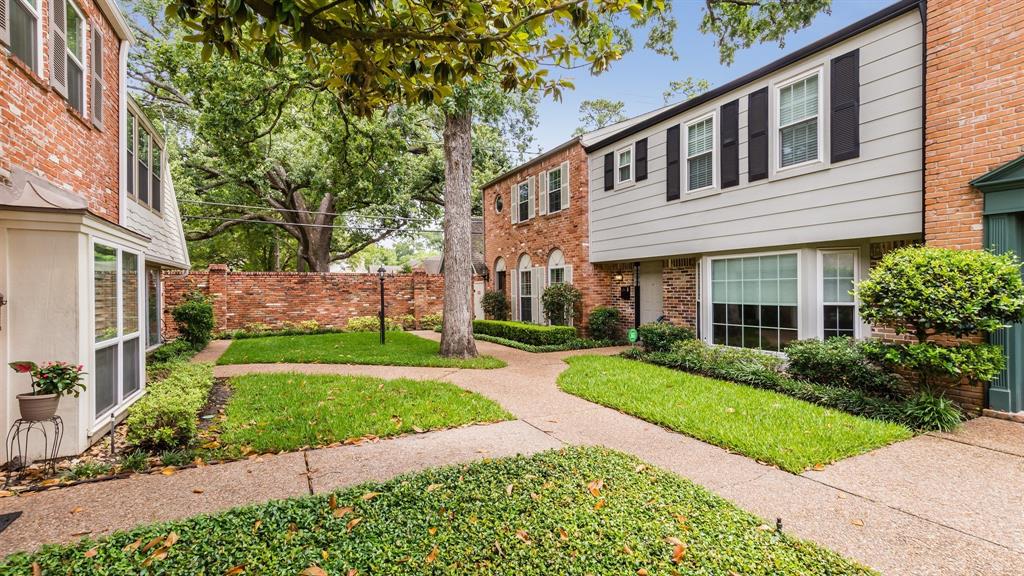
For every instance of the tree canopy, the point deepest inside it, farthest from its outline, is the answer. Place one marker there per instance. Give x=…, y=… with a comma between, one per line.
x=598, y=113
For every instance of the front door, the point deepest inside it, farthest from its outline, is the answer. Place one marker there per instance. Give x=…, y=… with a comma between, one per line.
x=651, y=307
x=1005, y=233
x=478, y=299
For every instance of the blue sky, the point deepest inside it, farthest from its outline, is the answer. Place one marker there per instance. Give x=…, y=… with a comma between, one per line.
x=640, y=78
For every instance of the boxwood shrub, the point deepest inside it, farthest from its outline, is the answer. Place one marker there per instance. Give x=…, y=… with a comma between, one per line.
x=840, y=361
x=166, y=416
x=526, y=333
x=660, y=336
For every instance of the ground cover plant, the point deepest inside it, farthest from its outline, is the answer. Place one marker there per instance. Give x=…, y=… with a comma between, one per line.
x=570, y=511
x=274, y=412
x=401, y=349
x=535, y=334
x=774, y=428
x=165, y=417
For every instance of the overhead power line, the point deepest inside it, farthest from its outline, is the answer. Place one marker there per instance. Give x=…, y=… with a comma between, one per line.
x=283, y=223
x=270, y=209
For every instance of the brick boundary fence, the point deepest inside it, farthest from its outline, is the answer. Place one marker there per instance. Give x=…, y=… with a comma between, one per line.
x=277, y=298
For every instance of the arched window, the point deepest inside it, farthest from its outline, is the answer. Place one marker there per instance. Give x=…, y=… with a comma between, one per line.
x=523, y=289
x=499, y=274
x=557, y=270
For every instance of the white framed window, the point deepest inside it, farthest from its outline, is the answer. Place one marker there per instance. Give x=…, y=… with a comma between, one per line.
x=624, y=165
x=154, y=322
x=145, y=163
x=556, y=267
x=131, y=144
x=799, y=135
x=499, y=204
x=700, y=154
x=525, y=289
x=838, y=309
x=117, y=328
x=555, y=184
x=76, y=57
x=500, y=275
x=26, y=32
x=755, y=300
x=523, y=200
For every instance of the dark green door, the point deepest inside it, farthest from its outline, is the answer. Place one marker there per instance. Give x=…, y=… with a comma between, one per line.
x=1003, y=233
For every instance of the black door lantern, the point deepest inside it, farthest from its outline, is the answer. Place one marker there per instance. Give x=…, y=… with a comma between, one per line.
x=380, y=275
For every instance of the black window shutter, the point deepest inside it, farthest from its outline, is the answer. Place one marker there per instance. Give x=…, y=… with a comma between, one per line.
x=672, y=178
x=609, y=171
x=845, y=98
x=757, y=135
x=641, y=159
x=730, y=143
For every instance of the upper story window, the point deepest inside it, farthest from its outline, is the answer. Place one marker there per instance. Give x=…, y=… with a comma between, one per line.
x=145, y=163
x=624, y=164
x=700, y=144
x=523, y=202
x=75, y=31
x=799, y=128
x=24, y=26
x=554, y=190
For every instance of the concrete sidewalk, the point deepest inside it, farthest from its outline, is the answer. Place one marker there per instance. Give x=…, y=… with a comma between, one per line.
x=936, y=504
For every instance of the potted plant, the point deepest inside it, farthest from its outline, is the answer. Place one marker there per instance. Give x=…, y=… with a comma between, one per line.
x=49, y=382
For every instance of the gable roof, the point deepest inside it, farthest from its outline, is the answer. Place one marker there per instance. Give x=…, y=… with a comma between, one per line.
x=1007, y=176
x=883, y=15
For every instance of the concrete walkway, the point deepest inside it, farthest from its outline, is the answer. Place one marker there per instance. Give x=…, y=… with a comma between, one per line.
x=936, y=504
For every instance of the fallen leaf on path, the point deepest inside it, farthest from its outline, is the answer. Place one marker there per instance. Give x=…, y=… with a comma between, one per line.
x=77, y=509
x=168, y=470
x=857, y=522
x=417, y=429
x=819, y=467
x=197, y=490
x=50, y=482
x=6, y=493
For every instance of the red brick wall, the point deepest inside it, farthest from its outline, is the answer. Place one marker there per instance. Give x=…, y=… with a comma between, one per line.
x=277, y=298
x=975, y=114
x=43, y=135
x=566, y=230
x=975, y=110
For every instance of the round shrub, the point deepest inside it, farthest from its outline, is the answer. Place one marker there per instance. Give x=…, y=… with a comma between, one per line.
x=943, y=291
x=371, y=324
x=605, y=323
x=838, y=362
x=194, y=318
x=496, y=305
x=561, y=303
x=660, y=336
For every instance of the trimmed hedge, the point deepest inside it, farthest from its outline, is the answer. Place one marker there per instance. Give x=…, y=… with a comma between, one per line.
x=372, y=324
x=172, y=351
x=166, y=416
x=762, y=370
x=660, y=336
x=577, y=344
x=526, y=333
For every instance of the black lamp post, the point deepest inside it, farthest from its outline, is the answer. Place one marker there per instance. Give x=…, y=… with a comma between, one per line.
x=380, y=275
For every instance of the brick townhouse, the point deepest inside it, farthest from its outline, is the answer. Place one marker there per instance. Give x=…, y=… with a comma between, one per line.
x=749, y=212
x=88, y=216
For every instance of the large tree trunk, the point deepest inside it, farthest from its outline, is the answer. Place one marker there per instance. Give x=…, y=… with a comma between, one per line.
x=457, y=334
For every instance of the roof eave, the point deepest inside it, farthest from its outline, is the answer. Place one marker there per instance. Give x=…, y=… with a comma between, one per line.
x=531, y=162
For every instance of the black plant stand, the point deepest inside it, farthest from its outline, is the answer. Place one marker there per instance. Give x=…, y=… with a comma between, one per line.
x=18, y=440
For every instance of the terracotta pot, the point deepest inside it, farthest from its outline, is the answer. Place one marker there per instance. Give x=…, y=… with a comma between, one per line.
x=38, y=407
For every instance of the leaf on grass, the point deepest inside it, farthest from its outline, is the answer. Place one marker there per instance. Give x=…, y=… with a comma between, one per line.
x=91, y=552
x=432, y=556
x=640, y=468
x=547, y=485
x=352, y=572
x=522, y=535
x=213, y=444
x=508, y=489
x=352, y=523
x=370, y=495
x=535, y=496
x=171, y=539
x=599, y=504
x=433, y=487
x=595, y=487
x=563, y=535
x=681, y=520
x=417, y=429
x=642, y=572
x=333, y=502
x=133, y=546
x=819, y=467
x=313, y=570
x=340, y=512
x=627, y=550
x=324, y=554
x=37, y=570
x=156, y=540
x=431, y=530
x=158, y=554
x=673, y=541
x=678, y=551
x=235, y=570
x=256, y=525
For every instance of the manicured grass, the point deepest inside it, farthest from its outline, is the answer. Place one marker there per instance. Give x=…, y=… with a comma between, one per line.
x=573, y=511
x=401, y=349
x=273, y=412
x=765, y=425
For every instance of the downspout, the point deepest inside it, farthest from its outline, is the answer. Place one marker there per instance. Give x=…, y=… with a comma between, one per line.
x=636, y=295
x=922, y=7
x=122, y=133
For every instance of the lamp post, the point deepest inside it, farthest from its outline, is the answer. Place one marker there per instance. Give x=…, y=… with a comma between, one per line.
x=380, y=275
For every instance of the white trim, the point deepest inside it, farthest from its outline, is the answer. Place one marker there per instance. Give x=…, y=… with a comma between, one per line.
x=122, y=130
x=713, y=116
x=707, y=303
x=776, y=140
x=84, y=40
x=37, y=12
x=547, y=190
x=518, y=201
x=820, y=296
x=632, y=164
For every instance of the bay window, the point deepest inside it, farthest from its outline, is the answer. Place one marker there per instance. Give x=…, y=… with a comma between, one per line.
x=798, y=121
x=117, y=334
x=838, y=277
x=700, y=144
x=755, y=301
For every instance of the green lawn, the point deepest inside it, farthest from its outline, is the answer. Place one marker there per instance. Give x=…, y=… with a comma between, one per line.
x=401, y=349
x=761, y=424
x=573, y=511
x=273, y=412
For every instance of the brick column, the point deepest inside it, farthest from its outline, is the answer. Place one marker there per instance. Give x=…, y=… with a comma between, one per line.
x=217, y=289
